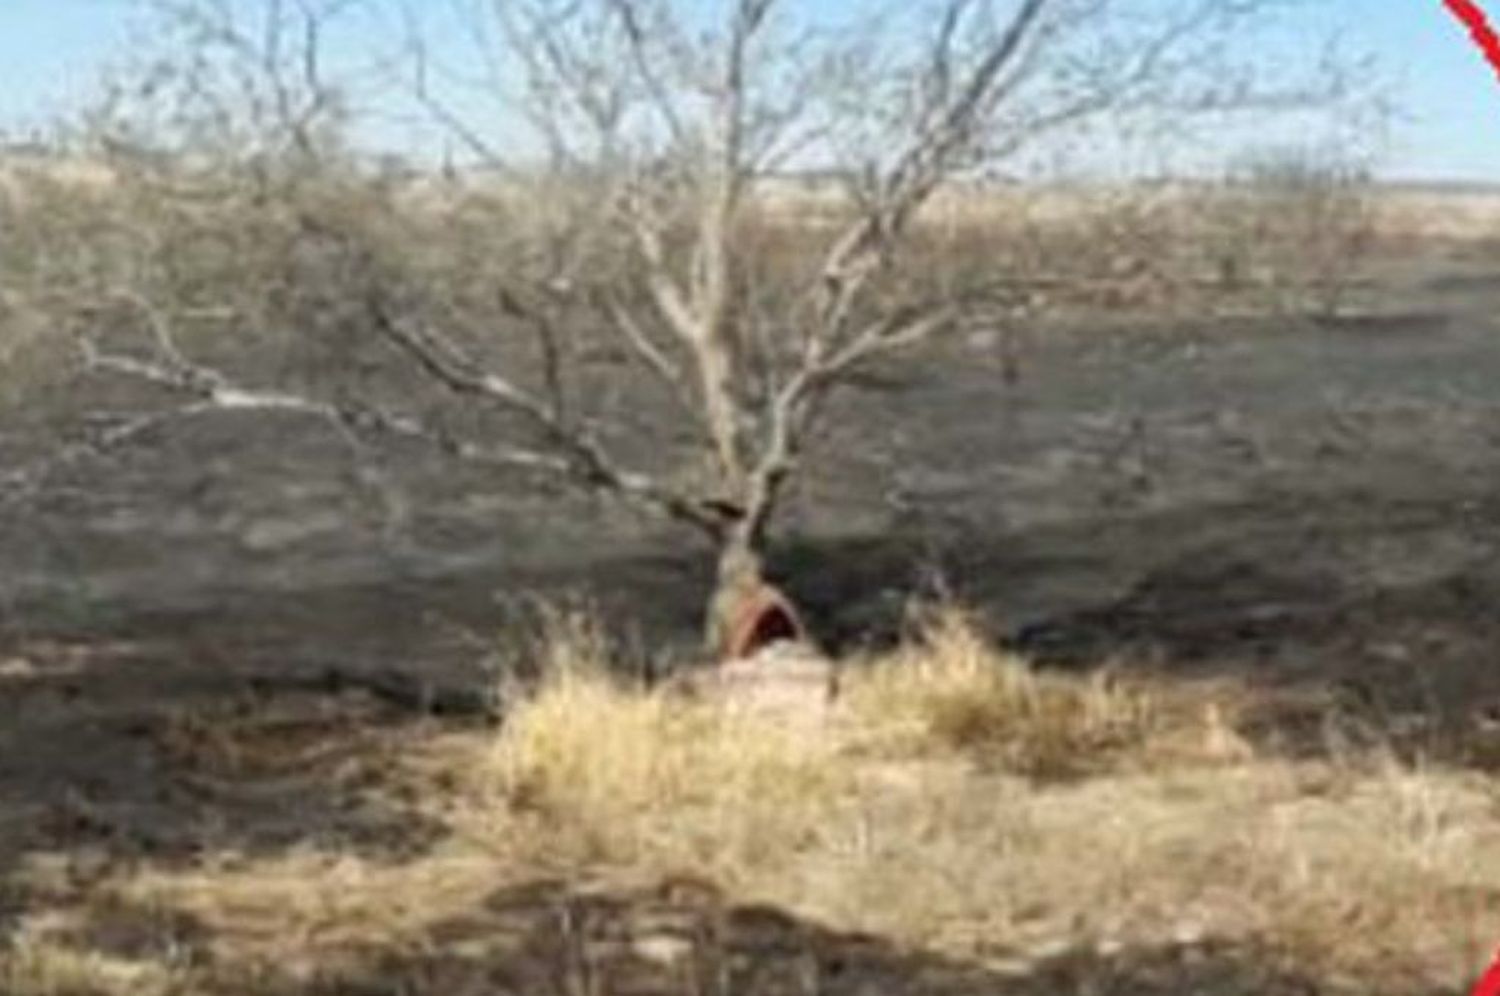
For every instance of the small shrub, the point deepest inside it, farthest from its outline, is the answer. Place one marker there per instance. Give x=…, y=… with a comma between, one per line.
x=1293, y=224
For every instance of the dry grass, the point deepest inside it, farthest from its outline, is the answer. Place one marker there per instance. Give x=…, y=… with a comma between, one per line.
x=629, y=772
x=604, y=772
x=928, y=813
x=39, y=968
x=316, y=914
x=629, y=775
x=951, y=690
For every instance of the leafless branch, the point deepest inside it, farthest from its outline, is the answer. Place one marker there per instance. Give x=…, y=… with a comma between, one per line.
x=652, y=355
x=587, y=458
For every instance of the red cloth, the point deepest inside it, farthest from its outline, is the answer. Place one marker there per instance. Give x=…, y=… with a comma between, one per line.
x=763, y=617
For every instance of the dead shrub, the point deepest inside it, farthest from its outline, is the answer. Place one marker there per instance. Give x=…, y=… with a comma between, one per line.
x=1292, y=227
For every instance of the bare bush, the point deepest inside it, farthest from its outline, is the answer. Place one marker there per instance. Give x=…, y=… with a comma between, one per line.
x=1292, y=224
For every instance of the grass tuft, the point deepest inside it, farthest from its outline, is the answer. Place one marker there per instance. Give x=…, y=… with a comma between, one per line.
x=950, y=689
x=627, y=772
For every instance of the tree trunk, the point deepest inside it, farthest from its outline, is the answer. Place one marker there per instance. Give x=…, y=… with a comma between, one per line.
x=737, y=579
x=746, y=612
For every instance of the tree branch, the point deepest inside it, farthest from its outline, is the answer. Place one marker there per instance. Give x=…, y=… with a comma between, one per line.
x=587, y=458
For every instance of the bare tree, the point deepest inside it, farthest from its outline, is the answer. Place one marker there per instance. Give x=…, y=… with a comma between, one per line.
x=641, y=157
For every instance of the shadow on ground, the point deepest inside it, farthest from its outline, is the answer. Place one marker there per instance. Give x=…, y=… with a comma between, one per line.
x=685, y=939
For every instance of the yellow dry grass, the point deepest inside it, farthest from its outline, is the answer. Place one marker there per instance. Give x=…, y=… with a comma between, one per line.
x=930, y=813
x=951, y=690
x=34, y=967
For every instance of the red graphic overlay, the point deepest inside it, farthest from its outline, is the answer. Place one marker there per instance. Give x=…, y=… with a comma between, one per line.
x=1490, y=984
x=1483, y=33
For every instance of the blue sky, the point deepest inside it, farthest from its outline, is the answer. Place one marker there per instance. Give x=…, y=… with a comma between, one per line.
x=52, y=52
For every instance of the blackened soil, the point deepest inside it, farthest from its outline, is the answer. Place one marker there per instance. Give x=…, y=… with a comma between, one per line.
x=1311, y=505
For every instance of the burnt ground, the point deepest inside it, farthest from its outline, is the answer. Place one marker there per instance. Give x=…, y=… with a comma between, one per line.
x=1309, y=505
